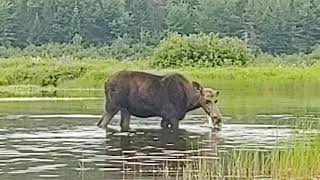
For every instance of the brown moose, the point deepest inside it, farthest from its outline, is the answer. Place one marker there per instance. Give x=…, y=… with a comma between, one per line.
x=144, y=95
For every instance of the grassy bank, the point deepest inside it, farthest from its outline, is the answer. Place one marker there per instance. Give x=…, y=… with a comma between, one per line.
x=91, y=73
x=246, y=90
x=297, y=158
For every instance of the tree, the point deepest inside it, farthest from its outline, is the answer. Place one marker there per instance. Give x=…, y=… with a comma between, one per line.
x=223, y=17
x=180, y=18
x=7, y=35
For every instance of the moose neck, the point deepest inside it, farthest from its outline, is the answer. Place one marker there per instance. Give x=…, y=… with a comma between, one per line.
x=194, y=104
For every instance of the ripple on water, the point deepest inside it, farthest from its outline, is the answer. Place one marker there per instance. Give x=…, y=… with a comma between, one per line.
x=104, y=165
x=82, y=151
x=13, y=117
x=56, y=154
x=97, y=151
x=49, y=175
x=83, y=169
x=110, y=157
x=33, y=148
x=9, y=153
x=110, y=169
x=40, y=168
x=147, y=148
x=86, y=160
x=30, y=160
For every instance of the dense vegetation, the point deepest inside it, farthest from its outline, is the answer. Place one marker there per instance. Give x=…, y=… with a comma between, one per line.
x=201, y=50
x=298, y=159
x=91, y=73
x=53, y=45
x=130, y=27
x=39, y=39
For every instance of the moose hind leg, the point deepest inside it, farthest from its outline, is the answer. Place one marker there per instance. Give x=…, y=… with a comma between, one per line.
x=107, y=116
x=174, y=124
x=125, y=120
x=105, y=120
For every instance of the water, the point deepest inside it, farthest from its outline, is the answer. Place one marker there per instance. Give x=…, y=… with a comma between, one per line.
x=50, y=138
x=73, y=145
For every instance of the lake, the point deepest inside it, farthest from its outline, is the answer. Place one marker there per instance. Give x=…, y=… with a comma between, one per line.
x=57, y=137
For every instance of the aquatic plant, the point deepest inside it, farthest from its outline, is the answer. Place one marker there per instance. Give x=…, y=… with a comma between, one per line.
x=298, y=158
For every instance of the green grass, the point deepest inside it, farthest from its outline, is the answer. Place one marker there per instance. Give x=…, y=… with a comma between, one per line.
x=59, y=73
x=244, y=90
x=302, y=160
x=91, y=73
x=297, y=158
x=247, y=90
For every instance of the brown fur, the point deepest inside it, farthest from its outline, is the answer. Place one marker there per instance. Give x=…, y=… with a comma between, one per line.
x=143, y=94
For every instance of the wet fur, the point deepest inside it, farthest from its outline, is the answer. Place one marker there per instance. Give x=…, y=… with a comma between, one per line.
x=147, y=95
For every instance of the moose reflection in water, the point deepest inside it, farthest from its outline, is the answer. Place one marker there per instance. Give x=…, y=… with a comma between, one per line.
x=152, y=146
x=160, y=138
x=144, y=95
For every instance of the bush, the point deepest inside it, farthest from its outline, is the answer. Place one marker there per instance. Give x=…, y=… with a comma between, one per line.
x=201, y=50
x=289, y=60
x=121, y=49
x=40, y=72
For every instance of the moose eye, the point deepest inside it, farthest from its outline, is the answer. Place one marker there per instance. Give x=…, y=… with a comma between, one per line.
x=216, y=101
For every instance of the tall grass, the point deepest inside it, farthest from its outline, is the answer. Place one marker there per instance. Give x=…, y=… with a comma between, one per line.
x=299, y=158
x=301, y=161
x=64, y=73
x=90, y=73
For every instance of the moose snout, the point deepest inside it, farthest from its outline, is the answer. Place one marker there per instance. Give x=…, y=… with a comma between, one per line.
x=216, y=117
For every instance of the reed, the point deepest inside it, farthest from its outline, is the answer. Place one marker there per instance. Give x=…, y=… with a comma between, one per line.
x=298, y=158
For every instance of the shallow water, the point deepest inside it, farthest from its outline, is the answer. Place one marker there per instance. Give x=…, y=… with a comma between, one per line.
x=71, y=146
x=57, y=138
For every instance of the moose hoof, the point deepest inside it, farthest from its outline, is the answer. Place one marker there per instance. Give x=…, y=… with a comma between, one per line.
x=165, y=124
x=102, y=127
x=126, y=130
x=216, y=127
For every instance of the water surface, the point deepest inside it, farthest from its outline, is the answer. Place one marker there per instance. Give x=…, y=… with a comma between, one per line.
x=57, y=138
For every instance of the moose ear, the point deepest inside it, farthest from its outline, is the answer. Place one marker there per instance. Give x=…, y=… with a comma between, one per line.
x=196, y=86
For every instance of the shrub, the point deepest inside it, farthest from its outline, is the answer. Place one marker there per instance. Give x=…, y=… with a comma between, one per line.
x=121, y=49
x=200, y=50
x=43, y=73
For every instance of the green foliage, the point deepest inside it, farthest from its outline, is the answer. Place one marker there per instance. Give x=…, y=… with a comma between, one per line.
x=48, y=72
x=297, y=158
x=270, y=26
x=42, y=73
x=90, y=72
x=180, y=18
x=7, y=35
x=120, y=49
x=201, y=50
x=223, y=17
x=310, y=59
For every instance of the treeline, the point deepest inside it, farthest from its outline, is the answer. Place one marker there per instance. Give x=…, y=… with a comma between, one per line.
x=272, y=26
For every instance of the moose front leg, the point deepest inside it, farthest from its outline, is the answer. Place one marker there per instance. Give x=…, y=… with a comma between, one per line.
x=164, y=123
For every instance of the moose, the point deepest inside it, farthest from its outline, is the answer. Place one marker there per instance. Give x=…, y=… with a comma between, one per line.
x=142, y=94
